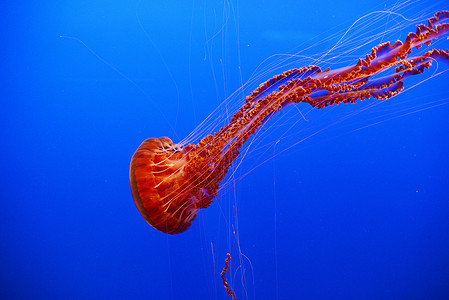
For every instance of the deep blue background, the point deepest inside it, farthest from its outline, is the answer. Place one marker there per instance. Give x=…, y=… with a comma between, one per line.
x=352, y=214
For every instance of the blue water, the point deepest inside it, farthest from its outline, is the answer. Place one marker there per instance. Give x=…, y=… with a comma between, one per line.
x=361, y=211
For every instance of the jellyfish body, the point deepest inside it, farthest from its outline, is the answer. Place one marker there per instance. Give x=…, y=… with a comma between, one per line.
x=170, y=184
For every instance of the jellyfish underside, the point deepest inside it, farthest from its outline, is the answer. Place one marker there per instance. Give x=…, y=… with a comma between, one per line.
x=170, y=183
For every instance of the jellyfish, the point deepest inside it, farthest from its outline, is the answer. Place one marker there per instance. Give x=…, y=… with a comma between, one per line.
x=171, y=183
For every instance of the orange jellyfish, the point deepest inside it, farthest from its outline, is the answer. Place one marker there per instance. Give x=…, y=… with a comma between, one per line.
x=171, y=183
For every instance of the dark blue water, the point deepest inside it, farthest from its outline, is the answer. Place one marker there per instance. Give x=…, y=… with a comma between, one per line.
x=359, y=211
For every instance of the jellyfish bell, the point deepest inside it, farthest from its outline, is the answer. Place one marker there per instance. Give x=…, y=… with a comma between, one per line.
x=163, y=192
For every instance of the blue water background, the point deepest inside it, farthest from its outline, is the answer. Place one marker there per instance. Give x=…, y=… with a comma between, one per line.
x=352, y=214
